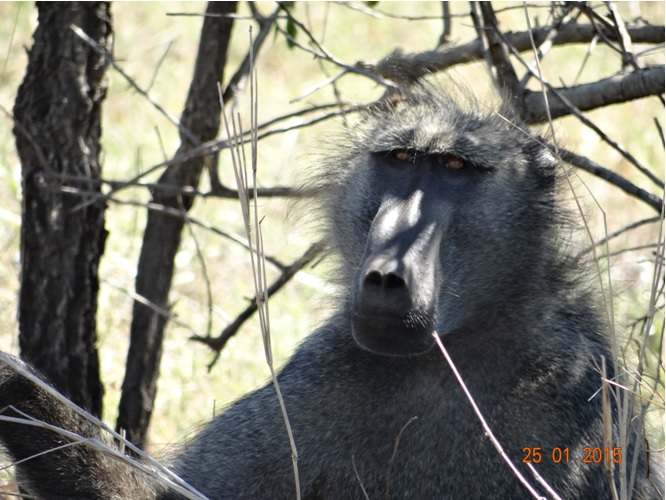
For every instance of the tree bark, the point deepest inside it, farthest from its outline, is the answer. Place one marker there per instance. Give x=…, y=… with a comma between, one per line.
x=57, y=129
x=161, y=240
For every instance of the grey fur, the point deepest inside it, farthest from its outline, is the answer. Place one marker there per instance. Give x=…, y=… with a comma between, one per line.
x=374, y=414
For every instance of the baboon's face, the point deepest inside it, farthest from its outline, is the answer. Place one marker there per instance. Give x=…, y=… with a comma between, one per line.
x=449, y=219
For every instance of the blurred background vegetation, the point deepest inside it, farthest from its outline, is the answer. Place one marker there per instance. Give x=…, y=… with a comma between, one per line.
x=156, y=43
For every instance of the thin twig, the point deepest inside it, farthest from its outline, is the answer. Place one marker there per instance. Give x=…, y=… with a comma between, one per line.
x=608, y=175
x=204, y=269
x=619, y=232
x=173, y=212
x=10, y=45
x=661, y=131
x=547, y=42
x=158, y=66
x=212, y=147
x=322, y=53
x=481, y=418
x=160, y=311
x=109, y=58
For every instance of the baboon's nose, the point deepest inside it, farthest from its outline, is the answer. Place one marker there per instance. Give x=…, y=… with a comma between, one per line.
x=386, y=281
x=384, y=288
x=393, y=294
x=385, y=298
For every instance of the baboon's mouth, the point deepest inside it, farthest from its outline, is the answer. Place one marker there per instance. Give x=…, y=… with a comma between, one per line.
x=392, y=335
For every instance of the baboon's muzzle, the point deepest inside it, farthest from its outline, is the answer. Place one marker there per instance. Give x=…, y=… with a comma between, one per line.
x=394, y=291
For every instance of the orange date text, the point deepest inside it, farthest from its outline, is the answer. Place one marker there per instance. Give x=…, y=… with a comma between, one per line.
x=590, y=455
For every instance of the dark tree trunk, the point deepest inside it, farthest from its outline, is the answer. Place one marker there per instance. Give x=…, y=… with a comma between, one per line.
x=57, y=129
x=201, y=118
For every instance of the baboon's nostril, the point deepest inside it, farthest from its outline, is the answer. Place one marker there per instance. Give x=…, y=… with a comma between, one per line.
x=392, y=280
x=373, y=278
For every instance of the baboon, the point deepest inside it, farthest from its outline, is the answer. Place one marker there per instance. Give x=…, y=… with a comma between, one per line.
x=443, y=218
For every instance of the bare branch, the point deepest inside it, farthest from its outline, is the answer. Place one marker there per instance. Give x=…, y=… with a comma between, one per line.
x=424, y=63
x=446, y=28
x=589, y=96
x=547, y=89
x=218, y=343
x=505, y=75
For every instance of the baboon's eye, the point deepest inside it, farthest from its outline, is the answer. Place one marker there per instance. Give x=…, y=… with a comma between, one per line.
x=454, y=163
x=451, y=162
x=403, y=154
